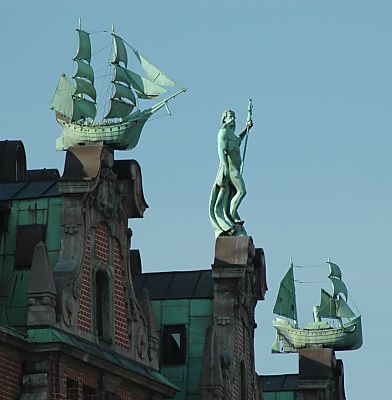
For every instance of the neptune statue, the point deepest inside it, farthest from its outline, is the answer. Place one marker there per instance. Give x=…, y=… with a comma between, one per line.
x=229, y=188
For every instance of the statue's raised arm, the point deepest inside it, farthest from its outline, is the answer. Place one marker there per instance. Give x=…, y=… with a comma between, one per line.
x=229, y=188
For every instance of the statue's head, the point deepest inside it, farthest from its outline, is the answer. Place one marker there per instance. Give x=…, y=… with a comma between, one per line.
x=228, y=118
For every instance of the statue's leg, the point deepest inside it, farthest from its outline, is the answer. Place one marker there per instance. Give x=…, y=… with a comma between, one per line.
x=219, y=209
x=239, y=185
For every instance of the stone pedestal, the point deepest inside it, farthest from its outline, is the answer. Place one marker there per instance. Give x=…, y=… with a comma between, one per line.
x=238, y=274
x=321, y=375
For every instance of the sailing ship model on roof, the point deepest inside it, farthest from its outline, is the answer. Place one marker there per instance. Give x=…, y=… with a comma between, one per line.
x=74, y=101
x=341, y=331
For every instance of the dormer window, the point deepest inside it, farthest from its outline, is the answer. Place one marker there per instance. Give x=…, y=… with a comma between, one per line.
x=27, y=237
x=174, y=344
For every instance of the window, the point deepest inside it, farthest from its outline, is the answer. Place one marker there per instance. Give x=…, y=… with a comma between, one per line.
x=102, y=305
x=4, y=214
x=174, y=344
x=27, y=237
x=89, y=393
x=72, y=390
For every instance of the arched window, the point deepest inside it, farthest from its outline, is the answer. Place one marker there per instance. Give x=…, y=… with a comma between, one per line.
x=102, y=305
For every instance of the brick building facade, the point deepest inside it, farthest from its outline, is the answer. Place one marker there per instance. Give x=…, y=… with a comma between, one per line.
x=80, y=321
x=71, y=326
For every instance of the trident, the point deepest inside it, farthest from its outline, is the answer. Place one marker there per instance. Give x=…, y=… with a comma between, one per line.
x=248, y=119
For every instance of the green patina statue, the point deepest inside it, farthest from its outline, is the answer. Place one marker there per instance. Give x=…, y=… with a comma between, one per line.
x=229, y=188
x=120, y=127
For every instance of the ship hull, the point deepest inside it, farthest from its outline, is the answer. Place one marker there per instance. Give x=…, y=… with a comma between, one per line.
x=290, y=339
x=121, y=136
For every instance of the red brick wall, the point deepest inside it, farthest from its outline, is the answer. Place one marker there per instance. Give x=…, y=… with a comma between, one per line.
x=59, y=384
x=101, y=251
x=122, y=395
x=84, y=314
x=249, y=366
x=10, y=377
x=121, y=335
x=242, y=352
x=238, y=351
x=82, y=387
x=102, y=243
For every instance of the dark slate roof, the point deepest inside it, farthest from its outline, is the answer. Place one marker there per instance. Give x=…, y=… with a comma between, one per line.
x=28, y=190
x=176, y=285
x=278, y=383
x=43, y=174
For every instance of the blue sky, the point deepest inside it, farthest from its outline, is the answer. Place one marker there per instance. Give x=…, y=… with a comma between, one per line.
x=318, y=164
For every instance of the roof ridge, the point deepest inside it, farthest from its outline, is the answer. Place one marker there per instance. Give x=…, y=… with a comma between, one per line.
x=175, y=272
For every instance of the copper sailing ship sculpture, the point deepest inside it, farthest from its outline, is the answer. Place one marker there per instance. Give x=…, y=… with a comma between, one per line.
x=74, y=101
x=341, y=328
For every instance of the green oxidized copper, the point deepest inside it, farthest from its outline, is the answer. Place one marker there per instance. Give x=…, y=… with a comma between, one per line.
x=75, y=100
x=285, y=304
x=341, y=331
x=229, y=188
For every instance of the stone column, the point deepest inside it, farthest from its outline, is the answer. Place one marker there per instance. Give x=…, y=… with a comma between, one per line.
x=320, y=375
x=238, y=273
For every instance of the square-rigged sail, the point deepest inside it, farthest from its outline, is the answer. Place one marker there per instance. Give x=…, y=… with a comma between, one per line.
x=70, y=99
x=75, y=100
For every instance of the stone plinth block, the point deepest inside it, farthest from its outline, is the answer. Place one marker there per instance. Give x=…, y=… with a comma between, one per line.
x=316, y=363
x=231, y=250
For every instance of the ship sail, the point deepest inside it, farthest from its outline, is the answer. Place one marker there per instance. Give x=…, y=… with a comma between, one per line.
x=125, y=81
x=334, y=306
x=84, y=71
x=285, y=304
x=69, y=99
x=144, y=88
x=334, y=270
x=84, y=50
x=62, y=99
x=75, y=99
x=343, y=310
x=84, y=79
x=153, y=73
x=327, y=307
x=345, y=333
x=338, y=287
x=85, y=87
x=120, y=52
x=123, y=100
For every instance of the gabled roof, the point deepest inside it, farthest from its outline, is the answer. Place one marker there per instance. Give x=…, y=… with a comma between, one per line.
x=176, y=285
